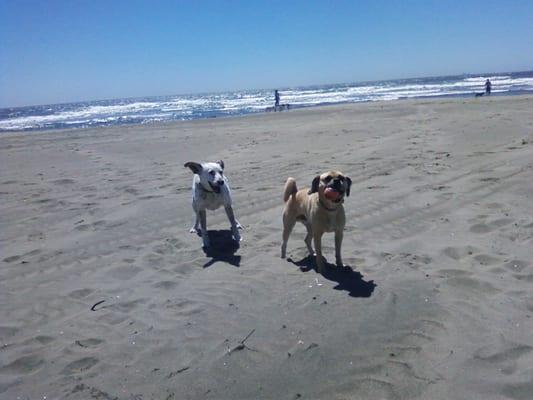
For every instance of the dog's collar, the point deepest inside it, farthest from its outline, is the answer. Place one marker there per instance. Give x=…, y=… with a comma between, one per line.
x=325, y=207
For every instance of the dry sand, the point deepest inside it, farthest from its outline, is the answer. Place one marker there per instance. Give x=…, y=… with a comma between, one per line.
x=438, y=302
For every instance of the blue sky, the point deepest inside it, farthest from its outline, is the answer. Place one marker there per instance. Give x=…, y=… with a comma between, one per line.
x=61, y=51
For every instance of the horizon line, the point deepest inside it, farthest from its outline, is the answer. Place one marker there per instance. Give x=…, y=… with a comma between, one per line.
x=261, y=89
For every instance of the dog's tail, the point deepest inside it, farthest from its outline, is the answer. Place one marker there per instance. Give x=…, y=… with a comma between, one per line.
x=290, y=189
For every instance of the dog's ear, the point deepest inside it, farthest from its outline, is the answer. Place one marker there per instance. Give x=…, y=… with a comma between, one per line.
x=194, y=166
x=221, y=163
x=348, y=186
x=314, y=185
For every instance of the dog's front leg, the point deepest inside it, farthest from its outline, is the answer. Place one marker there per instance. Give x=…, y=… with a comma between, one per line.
x=317, y=238
x=338, y=244
x=308, y=239
x=234, y=223
x=196, y=227
x=203, y=224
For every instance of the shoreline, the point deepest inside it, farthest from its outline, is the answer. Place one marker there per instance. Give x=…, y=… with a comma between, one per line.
x=160, y=124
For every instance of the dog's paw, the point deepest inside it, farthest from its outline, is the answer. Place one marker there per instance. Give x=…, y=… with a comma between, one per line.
x=193, y=230
x=283, y=250
x=239, y=226
x=235, y=233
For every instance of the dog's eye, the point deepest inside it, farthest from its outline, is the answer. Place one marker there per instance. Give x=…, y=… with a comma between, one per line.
x=327, y=179
x=212, y=173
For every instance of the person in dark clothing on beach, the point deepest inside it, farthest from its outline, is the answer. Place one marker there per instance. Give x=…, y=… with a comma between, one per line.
x=488, y=87
x=276, y=98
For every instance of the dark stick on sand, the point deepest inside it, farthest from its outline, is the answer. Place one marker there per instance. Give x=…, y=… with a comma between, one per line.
x=96, y=304
x=241, y=345
x=246, y=338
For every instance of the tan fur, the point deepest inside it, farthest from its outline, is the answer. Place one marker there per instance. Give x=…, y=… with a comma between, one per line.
x=316, y=212
x=290, y=189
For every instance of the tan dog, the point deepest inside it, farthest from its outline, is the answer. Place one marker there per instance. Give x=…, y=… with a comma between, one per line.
x=320, y=209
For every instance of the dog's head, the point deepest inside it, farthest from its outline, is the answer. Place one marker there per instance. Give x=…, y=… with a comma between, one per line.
x=211, y=174
x=334, y=181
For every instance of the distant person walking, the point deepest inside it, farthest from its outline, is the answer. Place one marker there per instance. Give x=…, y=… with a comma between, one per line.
x=488, y=87
x=276, y=99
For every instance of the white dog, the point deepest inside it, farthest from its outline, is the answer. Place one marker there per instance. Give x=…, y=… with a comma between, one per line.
x=210, y=190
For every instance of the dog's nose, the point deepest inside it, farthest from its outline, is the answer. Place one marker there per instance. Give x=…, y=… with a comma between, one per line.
x=220, y=183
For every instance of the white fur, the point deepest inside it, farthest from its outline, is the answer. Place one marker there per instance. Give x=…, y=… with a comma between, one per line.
x=210, y=190
x=203, y=196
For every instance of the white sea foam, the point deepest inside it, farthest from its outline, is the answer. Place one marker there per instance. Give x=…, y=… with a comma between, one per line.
x=199, y=106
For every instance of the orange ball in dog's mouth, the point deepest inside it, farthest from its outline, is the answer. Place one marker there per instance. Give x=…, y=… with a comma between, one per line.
x=331, y=194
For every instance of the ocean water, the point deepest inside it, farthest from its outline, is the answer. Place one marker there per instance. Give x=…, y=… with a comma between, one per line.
x=185, y=107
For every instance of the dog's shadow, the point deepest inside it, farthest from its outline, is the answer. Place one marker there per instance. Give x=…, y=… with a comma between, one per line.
x=347, y=279
x=222, y=248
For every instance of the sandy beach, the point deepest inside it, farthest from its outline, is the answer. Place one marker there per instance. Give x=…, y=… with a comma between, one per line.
x=104, y=293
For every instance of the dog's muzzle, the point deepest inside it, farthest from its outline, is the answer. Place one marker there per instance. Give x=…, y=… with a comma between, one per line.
x=216, y=186
x=338, y=187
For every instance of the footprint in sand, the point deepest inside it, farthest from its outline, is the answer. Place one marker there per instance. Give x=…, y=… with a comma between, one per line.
x=88, y=343
x=64, y=181
x=113, y=318
x=23, y=366
x=150, y=197
x=127, y=306
x=130, y=190
x=11, y=259
x=93, y=226
x=42, y=340
x=451, y=272
x=125, y=272
x=486, y=227
x=494, y=206
x=186, y=268
x=524, y=277
x=153, y=260
x=458, y=253
x=36, y=236
x=485, y=259
x=502, y=357
x=80, y=365
x=185, y=308
x=164, y=249
x=490, y=179
x=165, y=285
x=17, y=257
x=473, y=285
x=83, y=227
x=129, y=247
x=518, y=391
x=8, y=331
x=80, y=293
x=516, y=265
